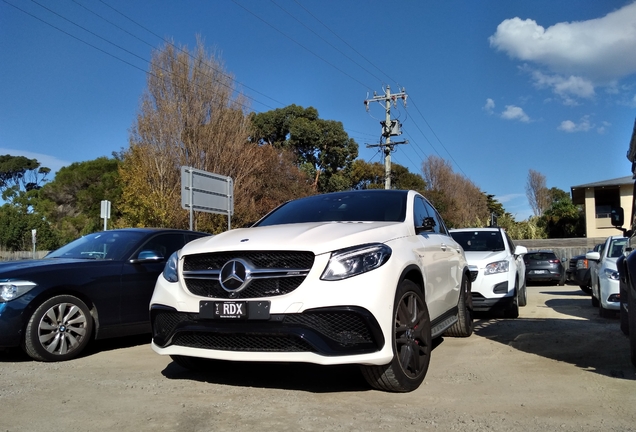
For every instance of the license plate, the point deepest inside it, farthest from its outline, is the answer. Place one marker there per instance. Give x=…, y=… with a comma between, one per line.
x=539, y=271
x=234, y=310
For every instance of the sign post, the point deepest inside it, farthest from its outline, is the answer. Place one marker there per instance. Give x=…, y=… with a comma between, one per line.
x=34, y=233
x=206, y=192
x=105, y=213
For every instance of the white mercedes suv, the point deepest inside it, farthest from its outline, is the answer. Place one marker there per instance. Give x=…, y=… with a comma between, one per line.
x=359, y=277
x=497, y=268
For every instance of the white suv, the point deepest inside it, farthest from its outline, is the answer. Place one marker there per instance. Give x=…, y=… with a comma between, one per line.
x=604, y=275
x=497, y=268
x=359, y=277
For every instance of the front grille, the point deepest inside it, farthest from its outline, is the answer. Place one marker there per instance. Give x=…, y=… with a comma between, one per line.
x=202, y=271
x=342, y=327
x=258, y=288
x=266, y=259
x=242, y=342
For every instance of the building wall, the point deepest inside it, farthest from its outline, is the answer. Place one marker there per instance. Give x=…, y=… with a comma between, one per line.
x=602, y=227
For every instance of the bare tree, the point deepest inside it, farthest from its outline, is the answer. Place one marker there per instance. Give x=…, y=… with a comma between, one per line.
x=459, y=201
x=190, y=114
x=537, y=192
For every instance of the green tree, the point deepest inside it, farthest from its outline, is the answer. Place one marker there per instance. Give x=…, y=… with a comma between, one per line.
x=365, y=175
x=562, y=219
x=72, y=201
x=323, y=149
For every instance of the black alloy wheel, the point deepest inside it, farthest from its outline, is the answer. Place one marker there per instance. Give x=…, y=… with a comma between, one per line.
x=412, y=344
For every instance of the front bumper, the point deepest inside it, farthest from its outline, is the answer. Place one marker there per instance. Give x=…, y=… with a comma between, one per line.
x=326, y=332
x=324, y=322
x=12, y=323
x=609, y=290
x=491, y=292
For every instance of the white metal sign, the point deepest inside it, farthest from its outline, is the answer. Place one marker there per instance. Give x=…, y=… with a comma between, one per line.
x=206, y=192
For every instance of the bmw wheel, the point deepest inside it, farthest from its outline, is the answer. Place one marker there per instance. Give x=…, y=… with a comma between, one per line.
x=59, y=329
x=412, y=344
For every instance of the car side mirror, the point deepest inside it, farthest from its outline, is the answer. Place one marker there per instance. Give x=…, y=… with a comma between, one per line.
x=594, y=256
x=617, y=215
x=148, y=255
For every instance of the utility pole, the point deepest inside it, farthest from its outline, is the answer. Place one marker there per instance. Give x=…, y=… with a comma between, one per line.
x=389, y=128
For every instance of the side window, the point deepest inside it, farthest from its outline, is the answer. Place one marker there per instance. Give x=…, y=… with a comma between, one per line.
x=419, y=211
x=439, y=227
x=164, y=244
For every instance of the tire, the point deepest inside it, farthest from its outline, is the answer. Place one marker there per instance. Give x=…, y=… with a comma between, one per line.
x=623, y=304
x=411, y=341
x=194, y=364
x=512, y=309
x=464, y=325
x=523, y=296
x=58, y=330
x=631, y=318
x=595, y=302
x=604, y=313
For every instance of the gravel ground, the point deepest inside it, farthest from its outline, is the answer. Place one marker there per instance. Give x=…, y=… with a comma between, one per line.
x=558, y=367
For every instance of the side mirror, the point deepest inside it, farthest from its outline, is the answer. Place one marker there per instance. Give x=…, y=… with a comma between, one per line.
x=594, y=256
x=148, y=255
x=617, y=216
x=520, y=250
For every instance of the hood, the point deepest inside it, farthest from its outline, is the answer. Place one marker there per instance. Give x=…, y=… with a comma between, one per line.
x=13, y=269
x=480, y=259
x=610, y=263
x=317, y=237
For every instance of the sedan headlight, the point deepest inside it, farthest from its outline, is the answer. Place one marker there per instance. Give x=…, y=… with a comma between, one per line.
x=497, y=267
x=611, y=274
x=12, y=289
x=354, y=261
x=170, y=271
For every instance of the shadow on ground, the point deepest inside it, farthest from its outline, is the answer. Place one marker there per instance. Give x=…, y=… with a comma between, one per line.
x=579, y=336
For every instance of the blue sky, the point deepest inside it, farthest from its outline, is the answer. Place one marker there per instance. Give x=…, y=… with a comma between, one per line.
x=495, y=87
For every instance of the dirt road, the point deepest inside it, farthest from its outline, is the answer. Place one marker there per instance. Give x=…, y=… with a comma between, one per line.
x=558, y=367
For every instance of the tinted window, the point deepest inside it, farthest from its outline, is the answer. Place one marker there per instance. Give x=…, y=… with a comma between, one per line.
x=163, y=245
x=438, y=228
x=540, y=256
x=354, y=206
x=419, y=211
x=479, y=241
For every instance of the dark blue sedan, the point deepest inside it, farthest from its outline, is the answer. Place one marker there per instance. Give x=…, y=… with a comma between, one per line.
x=96, y=287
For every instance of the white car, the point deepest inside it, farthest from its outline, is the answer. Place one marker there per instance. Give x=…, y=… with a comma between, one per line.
x=359, y=277
x=604, y=275
x=497, y=268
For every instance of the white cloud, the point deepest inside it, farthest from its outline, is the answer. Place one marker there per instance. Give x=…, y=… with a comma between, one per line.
x=578, y=56
x=490, y=106
x=601, y=49
x=45, y=160
x=583, y=125
x=515, y=113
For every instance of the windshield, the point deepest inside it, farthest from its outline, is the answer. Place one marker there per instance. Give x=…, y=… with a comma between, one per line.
x=479, y=241
x=376, y=205
x=110, y=245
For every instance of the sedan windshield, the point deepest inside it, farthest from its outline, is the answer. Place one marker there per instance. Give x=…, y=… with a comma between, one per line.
x=354, y=206
x=110, y=245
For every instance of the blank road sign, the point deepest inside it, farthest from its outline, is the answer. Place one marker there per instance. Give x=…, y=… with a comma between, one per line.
x=206, y=192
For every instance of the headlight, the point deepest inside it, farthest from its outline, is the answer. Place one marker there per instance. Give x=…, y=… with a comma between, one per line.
x=581, y=264
x=12, y=289
x=497, y=267
x=354, y=261
x=611, y=274
x=170, y=272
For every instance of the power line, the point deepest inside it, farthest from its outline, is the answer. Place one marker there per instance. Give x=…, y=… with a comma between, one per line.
x=300, y=45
